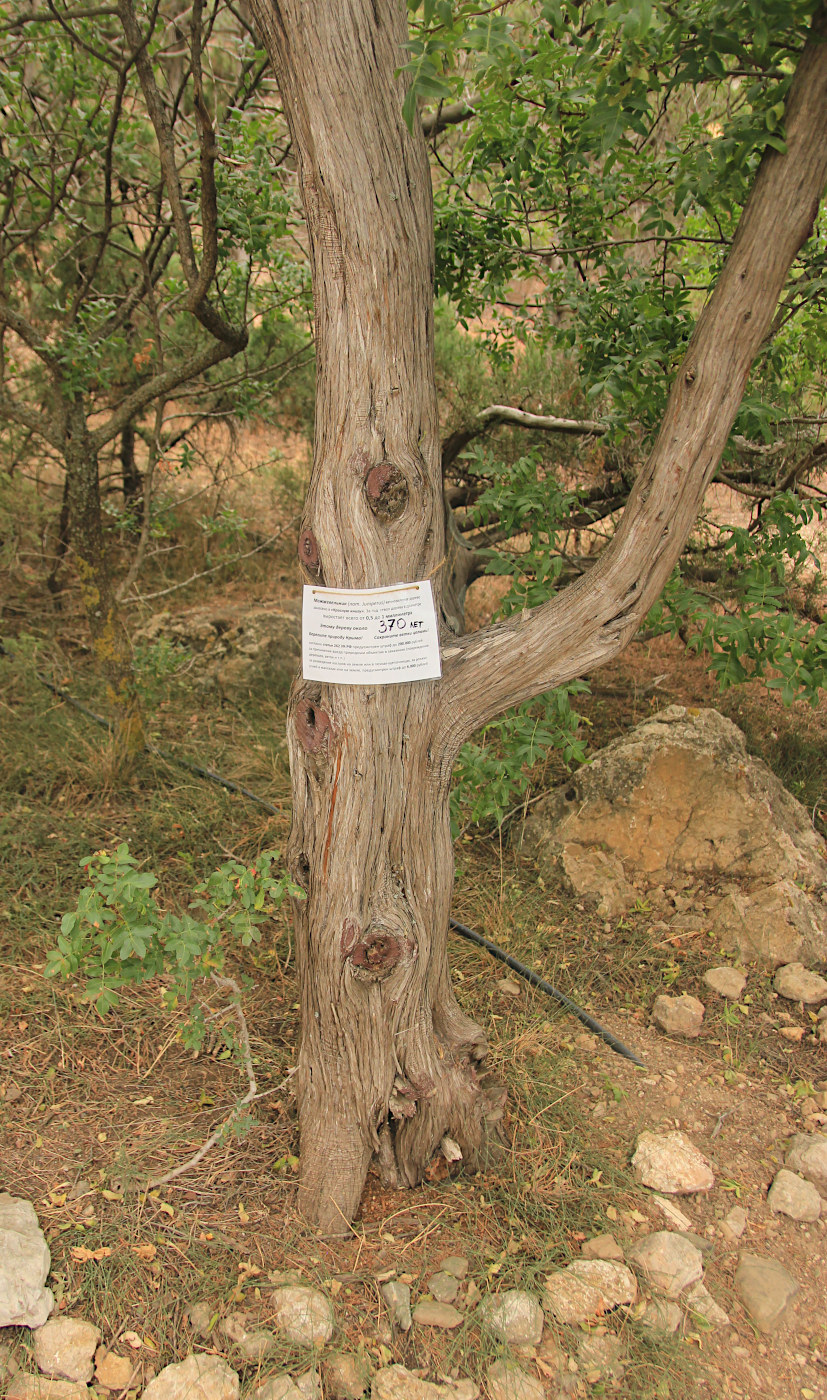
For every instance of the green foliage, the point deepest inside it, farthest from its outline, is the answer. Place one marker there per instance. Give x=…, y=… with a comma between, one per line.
x=119, y=935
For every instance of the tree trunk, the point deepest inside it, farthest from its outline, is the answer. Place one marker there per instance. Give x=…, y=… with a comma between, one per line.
x=110, y=643
x=388, y=1063
x=131, y=478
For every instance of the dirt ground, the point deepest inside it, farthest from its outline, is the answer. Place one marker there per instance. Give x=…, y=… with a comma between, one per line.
x=91, y=1108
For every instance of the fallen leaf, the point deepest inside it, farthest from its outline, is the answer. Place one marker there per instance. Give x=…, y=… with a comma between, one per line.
x=145, y=1251
x=550, y=1372
x=132, y=1340
x=794, y=1033
x=85, y=1256
x=167, y=1209
x=242, y=1214
x=611, y=1213
x=142, y=1103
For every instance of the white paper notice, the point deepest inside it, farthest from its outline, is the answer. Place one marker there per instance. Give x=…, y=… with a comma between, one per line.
x=370, y=636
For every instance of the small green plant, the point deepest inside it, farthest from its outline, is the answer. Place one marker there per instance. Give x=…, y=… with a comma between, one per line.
x=119, y=935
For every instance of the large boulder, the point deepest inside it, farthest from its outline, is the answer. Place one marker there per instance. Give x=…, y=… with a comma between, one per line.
x=680, y=796
x=237, y=649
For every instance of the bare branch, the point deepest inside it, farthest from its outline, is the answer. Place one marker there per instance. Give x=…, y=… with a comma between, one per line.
x=497, y=414
x=455, y=112
x=162, y=383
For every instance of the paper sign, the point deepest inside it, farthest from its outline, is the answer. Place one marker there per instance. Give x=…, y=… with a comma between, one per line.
x=370, y=636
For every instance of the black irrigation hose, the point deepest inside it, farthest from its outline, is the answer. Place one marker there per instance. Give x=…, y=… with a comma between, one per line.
x=472, y=937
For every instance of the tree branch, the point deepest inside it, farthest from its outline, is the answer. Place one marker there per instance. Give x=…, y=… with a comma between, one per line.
x=162, y=383
x=455, y=112
x=497, y=414
x=594, y=618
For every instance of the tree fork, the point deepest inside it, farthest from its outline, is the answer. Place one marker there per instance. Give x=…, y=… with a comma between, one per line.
x=388, y=1063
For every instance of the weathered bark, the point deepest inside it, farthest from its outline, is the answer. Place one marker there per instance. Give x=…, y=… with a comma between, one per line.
x=388, y=1063
x=110, y=643
x=131, y=479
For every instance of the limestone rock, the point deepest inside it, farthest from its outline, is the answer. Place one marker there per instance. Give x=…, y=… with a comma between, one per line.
x=398, y=1383
x=115, y=1372
x=589, y=1288
x=200, y=1317
x=735, y=1223
x=765, y=1288
x=8, y=1363
x=347, y=1377
x=807, y=1154
x=680, y=795
x=670, y=1162
x=200, y=1377
x=24, y=1265
x=700, y=1301
x=65, y=1347
x=602, y=1247
x=795, y=983
x=24, y=1386
x=443, y=1286
x=726, y=981
x=303, y=1315
x=791, y=1195
x=661, y=1315
x=398, y=1298
x=679, y=1016
x=514, y=1316
x=436, y=1315
x=238, y=649
x=308, y=1384
x=668, y=1262
x=455, y=1264
x=278, y=1388
x=507, y=1381
x=255, y=1345
x=601, y=1358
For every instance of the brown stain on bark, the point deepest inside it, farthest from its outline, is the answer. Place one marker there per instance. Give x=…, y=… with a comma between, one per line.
x=313, y=725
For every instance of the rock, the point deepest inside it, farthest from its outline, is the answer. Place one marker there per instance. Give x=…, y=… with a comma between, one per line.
x=589, y=1288
x=735, y=1223
x=8, y=1363
x=513, y=1316
x=668, y=1262
x=24, y=1386
x=257, y=1344
x=765, y=1289
x=309, y=1385
x=398, y=1383
x=701, y=1303
x=455, y=1264
x=443, y=1287
x=200, y=1318
x=505, y=1380
x=602, y=1247
x=679, y=795
x=115, y=1372
x=238, y=649
x=398, y=1298
x=807, y=1154
x=201, y=1377
x=303, y=1315
x=509, y=987
x=65, y=1349
x=24, y=1265
x=726, y=981
x=601, y=1358
x=278, y=1388
x=792, y=1195
x=679, y=1016
x=436, y=1315
x=234, y=1326
x=670, y=1162
x=347, y=1377
x=661, y=1315
x=795, y=983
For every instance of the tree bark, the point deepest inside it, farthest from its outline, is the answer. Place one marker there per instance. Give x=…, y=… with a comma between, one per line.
x=388, y=1063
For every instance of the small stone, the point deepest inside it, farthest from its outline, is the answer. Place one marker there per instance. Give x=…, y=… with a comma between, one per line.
x=661, y=1315
x=257, y=1344
x=234, y=1326
x=509, y=987
x=589, y=1288
x=702, y=1244
x=795, y=983
x=346, y=1376
x=278, y=1388
x=464, y=1390
x=792, y=1195
x=765, y=1289
x=303, y=1316
x=507, y=1381
x=200, y=1318
x=807, y=1154
x=8, y=1363
x=443, y=1287
x=24, y=1265
x=195, y=1378
x=514, y=1316
x=700, y=1301
x=602, y=1247
x=436, y=1315
x=601, y=1357
x=455, y=1264
x=670, y=1162
x=398, y=1298
x=726, y=981
x=65, y=1349
x=398, y=1383
x=24, y=1386
x=735, y=1223
x=309, y=1385
x=115, y=1372
x=668, y=1262
x=681, y=1016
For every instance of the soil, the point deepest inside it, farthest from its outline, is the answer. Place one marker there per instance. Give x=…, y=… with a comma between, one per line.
x=93, y=1108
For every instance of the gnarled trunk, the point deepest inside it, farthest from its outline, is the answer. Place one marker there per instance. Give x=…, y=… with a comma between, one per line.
x=388, y=1063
